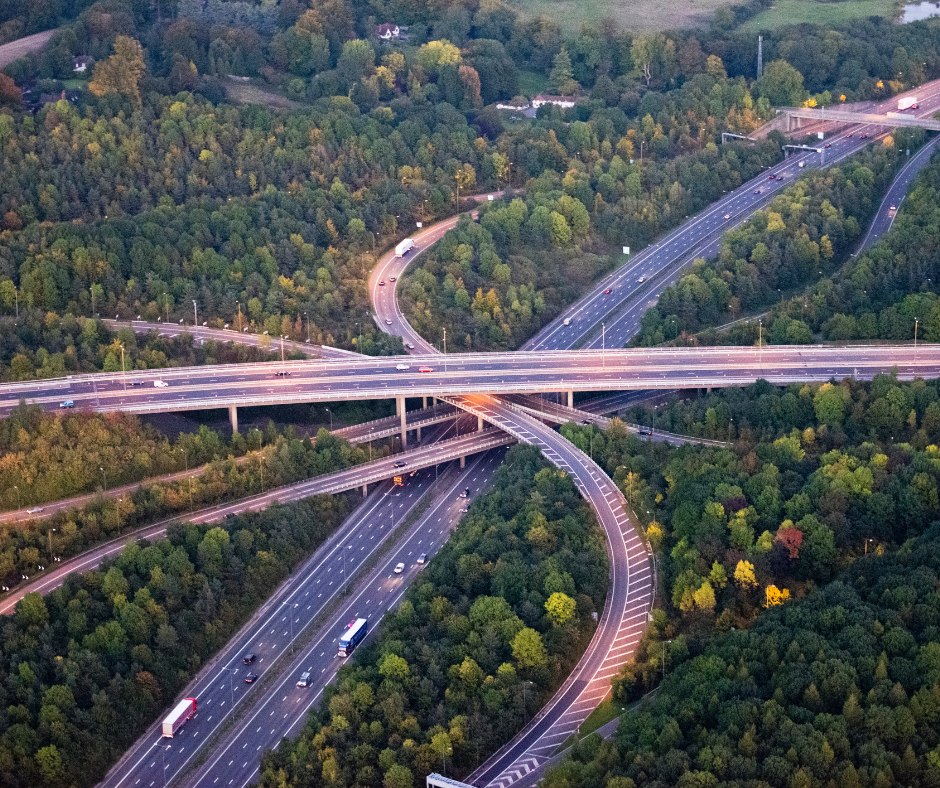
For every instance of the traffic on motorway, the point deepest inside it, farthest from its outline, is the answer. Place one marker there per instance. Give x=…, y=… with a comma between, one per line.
x=328, y=583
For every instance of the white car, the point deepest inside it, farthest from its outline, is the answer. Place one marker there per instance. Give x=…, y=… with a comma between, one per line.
x=641, y=280
x=399, y=568
x=34, y=510
x=402, y=367
x=160, y=384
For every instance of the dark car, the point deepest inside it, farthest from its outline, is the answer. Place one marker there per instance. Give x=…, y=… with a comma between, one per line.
x=229, y=516
x=399, y=465
x=645, y=431
x=608, y=291
x=863, y=137
x=282, y=374
x=756, y=191
x=249, y=658
x=250, y=678
x=828, y=144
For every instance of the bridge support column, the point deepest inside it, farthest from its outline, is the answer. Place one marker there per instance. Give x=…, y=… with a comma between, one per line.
x=479, y=426
x=424, y=402
x=365, y=490
x=570, y=399
x=400, y=406
x=463, y=462
x=419, y=434
x=233, y=417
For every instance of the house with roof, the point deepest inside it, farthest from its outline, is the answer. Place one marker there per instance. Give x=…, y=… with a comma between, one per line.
x=558, y=101
x=388, y=32
x=80, y=64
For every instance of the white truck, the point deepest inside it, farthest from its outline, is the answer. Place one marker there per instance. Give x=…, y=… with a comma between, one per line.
x=907, y=103
x=175, y=719
x=404, y=247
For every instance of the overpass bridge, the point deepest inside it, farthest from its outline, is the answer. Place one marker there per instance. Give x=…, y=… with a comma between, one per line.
x=795, y=116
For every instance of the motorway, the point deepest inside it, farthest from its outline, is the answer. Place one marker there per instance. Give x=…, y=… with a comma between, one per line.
x=660, y=264
x=630, y=593
x=896, y=194
x=196, y=388
x=326, y=581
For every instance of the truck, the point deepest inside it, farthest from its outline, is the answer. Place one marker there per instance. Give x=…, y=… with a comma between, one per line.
x=403, y=247
x=907, y=103
x=175, y=719
x=352, y=636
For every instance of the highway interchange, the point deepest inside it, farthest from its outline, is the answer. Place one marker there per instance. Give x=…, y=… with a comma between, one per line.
x=469, y=382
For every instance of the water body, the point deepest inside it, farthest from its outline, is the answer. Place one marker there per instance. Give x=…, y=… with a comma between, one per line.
x=917, y=11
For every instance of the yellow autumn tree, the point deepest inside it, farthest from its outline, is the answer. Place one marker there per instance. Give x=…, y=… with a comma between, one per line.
x=775, y=596
x=744, y=574
x=121, y=72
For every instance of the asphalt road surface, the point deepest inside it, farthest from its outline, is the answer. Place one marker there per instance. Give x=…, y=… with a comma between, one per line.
x=326, y=579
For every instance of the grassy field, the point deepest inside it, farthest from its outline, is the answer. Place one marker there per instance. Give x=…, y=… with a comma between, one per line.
x=792, y=12
x=638, y=16
x=531, y=84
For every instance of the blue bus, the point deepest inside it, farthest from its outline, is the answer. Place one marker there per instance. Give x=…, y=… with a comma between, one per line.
x=356, y=632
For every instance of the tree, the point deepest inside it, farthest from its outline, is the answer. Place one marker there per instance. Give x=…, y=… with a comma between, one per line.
x=528, y=650
x=436, y=55
x=398, y=776
x=744, y=574
x=646, y=51
x=50, y=763
x=120, y=73
x=560, y=608
x=781, y=85
x=561, y=78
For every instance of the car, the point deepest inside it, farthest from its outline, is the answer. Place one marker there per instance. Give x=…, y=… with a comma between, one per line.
x=282, y=374
x=388, y=321
x=392, y=279
x=230, y=516
x=422, y=558
x=399, y=465
x=382, y=283
x=863, y=136
x=641, y=280
x=828, y=144
x=566, y=321
x=409, y=346
x=727, y=216
x=779, y=177
x=249, y=658
x=250, y=678
x=464, y=510
x=756, y=191
x=399, y=568
x=67, y=404
x=847, y=136
x=771, y=176
x=645, y=431
x=137, y=382
x=402, y=367
x=587, y=421
x=34, y=510
x=304, y=679
x=608, y=291
x=160, y=384
x=425, y=369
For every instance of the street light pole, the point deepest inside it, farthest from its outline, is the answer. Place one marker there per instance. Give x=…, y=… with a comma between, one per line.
x=195, y=315
x=238, y=304
x=915, y=333
x=308, y=327
x=445, y=350
x=282, y=348
x=331, y=418
x=166, y=305
x=51, y=556
x=603, y=345
x=104, y=475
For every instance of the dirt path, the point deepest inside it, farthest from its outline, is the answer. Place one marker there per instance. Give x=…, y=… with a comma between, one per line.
x=16, y=49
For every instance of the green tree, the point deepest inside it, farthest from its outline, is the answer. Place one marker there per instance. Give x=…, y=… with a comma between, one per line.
x=561, y=79
x=782, y=84
x=528, y=650
x=122, y=72
x=560, y=608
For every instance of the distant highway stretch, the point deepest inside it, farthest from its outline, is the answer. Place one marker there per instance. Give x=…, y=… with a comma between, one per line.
x=198, y=388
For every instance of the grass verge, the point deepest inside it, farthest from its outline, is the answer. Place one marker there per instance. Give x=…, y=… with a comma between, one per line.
x=795, y=12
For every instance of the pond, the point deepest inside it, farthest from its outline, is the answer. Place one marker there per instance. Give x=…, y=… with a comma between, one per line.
x=918, y=11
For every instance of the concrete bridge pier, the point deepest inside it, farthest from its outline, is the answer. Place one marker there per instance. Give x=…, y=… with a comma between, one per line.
x=400, y=407
x=479, y=426
x=233, y=417
x=424, y=403
x=463, y=462
x=365, y=490
x=570, y=399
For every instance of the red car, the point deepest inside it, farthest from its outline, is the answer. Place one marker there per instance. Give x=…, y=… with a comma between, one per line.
x=425, y=369
x=608, y=291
